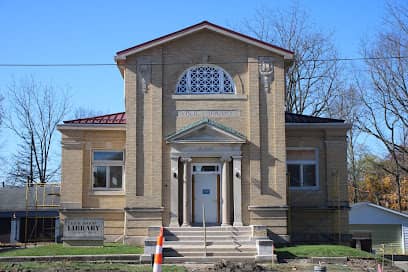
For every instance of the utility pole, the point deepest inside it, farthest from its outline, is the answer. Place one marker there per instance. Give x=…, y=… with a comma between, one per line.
x=338, y=205
x=31, y=179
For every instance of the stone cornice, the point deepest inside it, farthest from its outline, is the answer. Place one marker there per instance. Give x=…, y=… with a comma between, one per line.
x=267, y=208
x=145, y=209
x=93, y=210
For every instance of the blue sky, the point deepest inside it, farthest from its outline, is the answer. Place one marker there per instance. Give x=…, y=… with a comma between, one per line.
x=92, y=31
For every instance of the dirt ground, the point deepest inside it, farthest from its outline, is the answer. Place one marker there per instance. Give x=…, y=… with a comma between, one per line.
x=225, y=266
x=293, y=265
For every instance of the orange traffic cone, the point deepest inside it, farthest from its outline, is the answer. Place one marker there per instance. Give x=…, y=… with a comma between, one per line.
x=158, y=257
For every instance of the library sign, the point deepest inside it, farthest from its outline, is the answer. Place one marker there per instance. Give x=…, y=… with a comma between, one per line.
x=83, y=232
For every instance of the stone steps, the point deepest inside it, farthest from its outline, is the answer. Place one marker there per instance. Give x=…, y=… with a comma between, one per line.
x=214, y=238
x=221, y=242
x=174, y=253
x=184, y=244
x=209, y=242
x=153, y=231
x=199, y=228
x=215, y=248
x=206, y=259
x=236, y=232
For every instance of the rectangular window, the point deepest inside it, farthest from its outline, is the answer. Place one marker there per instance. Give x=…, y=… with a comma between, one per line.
x=302, y=168
x=294, y=174
x=108, y=169
x=108, y=156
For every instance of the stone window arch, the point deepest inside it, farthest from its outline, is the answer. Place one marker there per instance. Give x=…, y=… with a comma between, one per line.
x=205, y=79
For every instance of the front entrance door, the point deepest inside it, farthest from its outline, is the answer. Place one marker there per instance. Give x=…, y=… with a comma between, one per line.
x=206, y=192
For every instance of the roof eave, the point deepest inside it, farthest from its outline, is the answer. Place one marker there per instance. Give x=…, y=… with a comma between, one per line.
x=318, y=125
x=62, y=127
x=204, y=142
x=121, y=55
x=120, y=64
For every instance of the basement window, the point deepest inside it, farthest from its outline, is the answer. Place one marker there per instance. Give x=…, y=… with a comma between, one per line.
x=302, y=168
x=107, y=170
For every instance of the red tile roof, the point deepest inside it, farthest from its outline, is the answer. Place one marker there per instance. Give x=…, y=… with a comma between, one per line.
x=120, y=118
x=114, y=118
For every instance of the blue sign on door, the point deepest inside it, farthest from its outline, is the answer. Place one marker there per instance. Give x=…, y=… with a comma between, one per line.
x=206, y=191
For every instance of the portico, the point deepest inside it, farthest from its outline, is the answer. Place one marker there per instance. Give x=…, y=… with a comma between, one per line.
x=206, y=161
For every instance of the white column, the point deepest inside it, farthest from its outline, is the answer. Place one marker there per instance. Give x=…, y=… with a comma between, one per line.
x=18, y=225
x=225, y=191
x=174, y=196
x=186, y=191
x=57, y=230
x=236, y=173
x=13, y=230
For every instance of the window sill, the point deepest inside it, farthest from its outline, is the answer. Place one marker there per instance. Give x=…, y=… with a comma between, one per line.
x=208, y=97
x=310, y=188
x=106, y=192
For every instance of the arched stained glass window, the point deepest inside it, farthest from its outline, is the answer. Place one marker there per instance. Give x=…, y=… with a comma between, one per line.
x=205, y=79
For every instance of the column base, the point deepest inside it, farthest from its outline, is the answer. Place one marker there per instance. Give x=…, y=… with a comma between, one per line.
x=186, y=225
x=225, y=225
x=174, y=224
x=237, y=224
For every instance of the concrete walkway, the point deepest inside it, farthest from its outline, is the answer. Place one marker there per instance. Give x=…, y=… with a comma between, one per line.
x=402, y=265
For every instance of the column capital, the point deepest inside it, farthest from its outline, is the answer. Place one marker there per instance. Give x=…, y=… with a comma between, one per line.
x=185, y=159
x=174, y=157
x=226, y=158
x=236, y=157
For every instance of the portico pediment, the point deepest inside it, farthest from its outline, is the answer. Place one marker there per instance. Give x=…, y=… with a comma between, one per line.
x=206, y=131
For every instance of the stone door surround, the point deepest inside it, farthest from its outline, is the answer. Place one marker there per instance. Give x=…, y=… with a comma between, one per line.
x=226, y=186
x=206, y=139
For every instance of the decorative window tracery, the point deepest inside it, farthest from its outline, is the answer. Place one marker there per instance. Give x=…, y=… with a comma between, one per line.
x=205, y=79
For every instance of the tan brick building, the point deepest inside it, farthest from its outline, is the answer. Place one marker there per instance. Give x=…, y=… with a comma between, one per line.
x=205, y=125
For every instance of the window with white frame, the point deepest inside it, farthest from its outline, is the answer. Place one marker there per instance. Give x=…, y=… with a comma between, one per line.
x=205, y=79
x=302, y=167
x=107, y=169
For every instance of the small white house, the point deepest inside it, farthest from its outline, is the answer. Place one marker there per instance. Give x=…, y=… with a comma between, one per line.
x=383, y=226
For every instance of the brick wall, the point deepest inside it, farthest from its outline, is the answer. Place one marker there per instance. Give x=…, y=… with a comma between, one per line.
x=152, y=116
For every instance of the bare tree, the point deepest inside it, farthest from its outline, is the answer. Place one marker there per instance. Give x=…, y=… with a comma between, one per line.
x=34, y=111
x=22, y=164
x=385, y=95
x=82, y=112
x=2, y=161
x=348, y=106
x=1, y=109
x=312, y=82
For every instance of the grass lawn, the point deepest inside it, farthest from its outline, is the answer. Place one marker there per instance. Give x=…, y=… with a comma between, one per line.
x=59, y=249
x=305, y=251
x=38, y=266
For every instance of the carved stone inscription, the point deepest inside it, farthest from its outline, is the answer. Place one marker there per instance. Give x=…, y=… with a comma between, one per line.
x=208, y=113
x=86, y=230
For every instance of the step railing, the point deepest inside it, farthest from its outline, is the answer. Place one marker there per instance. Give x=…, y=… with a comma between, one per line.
x=205, y=233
